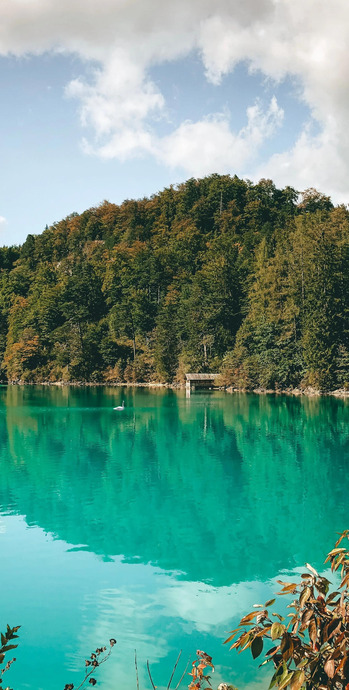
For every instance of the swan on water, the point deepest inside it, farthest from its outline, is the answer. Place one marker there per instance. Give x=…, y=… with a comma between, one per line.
x=120, y=407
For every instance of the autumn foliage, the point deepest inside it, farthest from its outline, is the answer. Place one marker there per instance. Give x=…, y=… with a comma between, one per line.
x=215, y=274
x=310, y=647
x=199, y=666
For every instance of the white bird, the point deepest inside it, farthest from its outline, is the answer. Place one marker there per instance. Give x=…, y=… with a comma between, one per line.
x=120, y=407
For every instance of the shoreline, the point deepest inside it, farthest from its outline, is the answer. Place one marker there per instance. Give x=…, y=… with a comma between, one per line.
x=308, y=392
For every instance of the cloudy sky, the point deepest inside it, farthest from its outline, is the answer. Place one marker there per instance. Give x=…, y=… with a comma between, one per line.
x=115, y=99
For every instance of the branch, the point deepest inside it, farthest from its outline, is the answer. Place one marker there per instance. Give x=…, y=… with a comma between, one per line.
x=151, y=680
x=136, y=669
x=174, y=668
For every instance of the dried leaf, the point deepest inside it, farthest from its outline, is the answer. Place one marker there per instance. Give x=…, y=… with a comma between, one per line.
x=313, y=631
x=288, y=653
x=312, y=570
x=334, y=552
x=333, y=628
x=345, y=581
x=329, y=668
x=304, y=596
x=248, y=618
x=231, y=637
x=306, y=617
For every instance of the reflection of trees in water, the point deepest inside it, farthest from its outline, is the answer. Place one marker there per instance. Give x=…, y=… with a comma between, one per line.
x=294, y=473
x=222, y=488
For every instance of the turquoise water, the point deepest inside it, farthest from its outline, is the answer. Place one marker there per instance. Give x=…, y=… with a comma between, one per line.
x=159, y=525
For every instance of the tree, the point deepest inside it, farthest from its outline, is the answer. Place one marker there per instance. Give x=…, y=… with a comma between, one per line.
x=213, y=272
x=320, y=264
x=167, y=344
x=267, y=350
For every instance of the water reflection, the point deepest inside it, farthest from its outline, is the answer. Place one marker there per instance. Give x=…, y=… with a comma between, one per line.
x=218, y=487
x=68, y=605
x=170, y=517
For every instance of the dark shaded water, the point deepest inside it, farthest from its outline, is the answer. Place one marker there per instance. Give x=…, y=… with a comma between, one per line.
x=159, y=525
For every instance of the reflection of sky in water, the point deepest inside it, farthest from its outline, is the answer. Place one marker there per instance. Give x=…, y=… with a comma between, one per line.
x=68, y=606
x=160, y=526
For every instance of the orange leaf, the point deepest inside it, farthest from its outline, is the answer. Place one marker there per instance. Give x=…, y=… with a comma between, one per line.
x=313, y=631
x=329, y=668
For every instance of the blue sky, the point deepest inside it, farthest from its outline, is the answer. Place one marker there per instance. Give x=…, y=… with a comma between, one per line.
x=119, y=99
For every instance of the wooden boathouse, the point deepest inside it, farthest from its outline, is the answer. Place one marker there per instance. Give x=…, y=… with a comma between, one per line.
x=194, y=381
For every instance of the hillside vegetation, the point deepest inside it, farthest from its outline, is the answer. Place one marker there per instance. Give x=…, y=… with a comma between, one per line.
x=216, y=274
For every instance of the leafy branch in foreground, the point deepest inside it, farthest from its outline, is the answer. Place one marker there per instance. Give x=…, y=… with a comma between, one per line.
x=96, y=659
x=202, y=662
x=6, y=638
x=311, y=650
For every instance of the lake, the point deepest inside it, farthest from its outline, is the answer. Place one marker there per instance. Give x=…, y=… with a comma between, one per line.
x=160, y=525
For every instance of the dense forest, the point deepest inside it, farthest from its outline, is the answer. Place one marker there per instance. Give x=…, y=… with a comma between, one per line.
x=216, y=274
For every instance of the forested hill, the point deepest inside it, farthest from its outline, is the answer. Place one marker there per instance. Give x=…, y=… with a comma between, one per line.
x=216, y=274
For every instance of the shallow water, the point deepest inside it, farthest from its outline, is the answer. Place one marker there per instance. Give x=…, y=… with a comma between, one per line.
x=159, y=525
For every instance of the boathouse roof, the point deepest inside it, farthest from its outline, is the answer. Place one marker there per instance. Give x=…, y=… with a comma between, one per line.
x=201, y=377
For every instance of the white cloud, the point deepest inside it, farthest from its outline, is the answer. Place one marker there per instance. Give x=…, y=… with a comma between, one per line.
x=210, y=145
x=120, y=95
x=307, y=40
x=192, y=608
x=318, y=161
x=117, y=106
x=3, y=222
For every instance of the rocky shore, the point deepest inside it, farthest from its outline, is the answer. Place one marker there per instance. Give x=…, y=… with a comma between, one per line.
x=308, y=391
